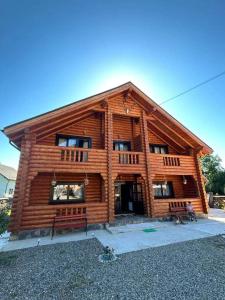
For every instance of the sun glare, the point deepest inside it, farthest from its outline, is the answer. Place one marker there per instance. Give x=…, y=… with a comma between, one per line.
x=117, y=78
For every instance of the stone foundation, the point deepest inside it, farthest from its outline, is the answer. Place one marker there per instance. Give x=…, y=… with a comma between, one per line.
x=42, y=232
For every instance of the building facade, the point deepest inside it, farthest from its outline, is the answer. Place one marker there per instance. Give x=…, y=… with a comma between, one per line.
x=7, y=181
x=114, y=153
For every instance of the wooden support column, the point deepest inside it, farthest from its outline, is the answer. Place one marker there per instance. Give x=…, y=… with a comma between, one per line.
x=200, y=183
x=109, y=148
x=148, y=181
x=22, y=189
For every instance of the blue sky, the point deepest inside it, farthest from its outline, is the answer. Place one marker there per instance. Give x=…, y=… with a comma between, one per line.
x=53, y=52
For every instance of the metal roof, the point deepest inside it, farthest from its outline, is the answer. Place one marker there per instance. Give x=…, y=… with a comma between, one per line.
x=8, y=172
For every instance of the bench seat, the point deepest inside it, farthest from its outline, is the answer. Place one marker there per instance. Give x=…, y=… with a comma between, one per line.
x=178, y=209
x=62, y=220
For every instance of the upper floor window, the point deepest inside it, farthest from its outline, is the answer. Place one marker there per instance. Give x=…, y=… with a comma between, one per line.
x=163, y=189
x=162, y=149
x=73, y=141
x=121, y=146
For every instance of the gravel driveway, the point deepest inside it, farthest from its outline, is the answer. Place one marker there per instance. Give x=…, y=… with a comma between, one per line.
x=187, y=270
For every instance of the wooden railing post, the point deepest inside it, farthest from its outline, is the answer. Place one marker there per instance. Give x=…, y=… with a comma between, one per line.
x=200, y=182
x=148, y=181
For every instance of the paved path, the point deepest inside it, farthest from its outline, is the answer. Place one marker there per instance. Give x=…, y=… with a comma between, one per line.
x=132, y=237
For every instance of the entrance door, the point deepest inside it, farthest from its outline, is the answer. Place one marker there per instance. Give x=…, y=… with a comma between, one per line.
x=128, y=198
x=138, y=198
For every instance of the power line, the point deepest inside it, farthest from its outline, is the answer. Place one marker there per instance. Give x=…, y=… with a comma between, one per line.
x=194, y=87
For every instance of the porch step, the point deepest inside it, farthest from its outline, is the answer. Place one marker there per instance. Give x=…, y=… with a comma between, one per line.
x=130, y=219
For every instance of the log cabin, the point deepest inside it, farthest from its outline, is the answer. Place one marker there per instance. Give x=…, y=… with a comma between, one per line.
x=117, y=152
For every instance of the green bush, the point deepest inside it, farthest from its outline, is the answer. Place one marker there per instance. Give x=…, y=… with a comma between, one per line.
x=4, y=218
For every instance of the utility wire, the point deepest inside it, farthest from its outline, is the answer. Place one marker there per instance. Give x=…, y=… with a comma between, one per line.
x=194, y=87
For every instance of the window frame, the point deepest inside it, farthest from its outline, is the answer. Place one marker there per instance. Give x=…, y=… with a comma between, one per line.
x=10, y=191
x=152, y=146
x=67, y=137
x=122, y=142
x=170, y=183
x=73, y=201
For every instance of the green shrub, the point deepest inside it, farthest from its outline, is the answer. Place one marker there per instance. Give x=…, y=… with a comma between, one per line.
x=4, y=218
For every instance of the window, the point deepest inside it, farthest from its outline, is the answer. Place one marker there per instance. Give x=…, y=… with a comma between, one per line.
x=162, y=149
x=163, y=189
x=10, y=191
x=121, y=146
x=73, y=141
x=69, y=192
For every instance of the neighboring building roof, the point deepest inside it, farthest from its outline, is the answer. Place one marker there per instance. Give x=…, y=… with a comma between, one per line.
x=8, y=172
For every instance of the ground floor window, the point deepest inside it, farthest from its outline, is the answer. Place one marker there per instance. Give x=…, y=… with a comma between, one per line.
x=163, y=189
x=67, y=192
x=10, y=191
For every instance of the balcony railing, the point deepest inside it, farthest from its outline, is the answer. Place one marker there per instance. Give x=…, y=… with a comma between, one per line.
x=74, y=155
x=128, y=161
x=128, y=158
x=172, y=164
x=47, y=158
x=171, y=161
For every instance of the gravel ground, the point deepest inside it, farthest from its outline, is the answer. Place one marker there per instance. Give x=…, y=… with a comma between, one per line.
x=188, y=270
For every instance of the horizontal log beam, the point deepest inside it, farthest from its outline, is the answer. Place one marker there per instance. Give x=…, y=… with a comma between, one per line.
x=170, y=129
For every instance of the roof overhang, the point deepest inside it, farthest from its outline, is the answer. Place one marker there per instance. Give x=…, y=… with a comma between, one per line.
x=158, y=117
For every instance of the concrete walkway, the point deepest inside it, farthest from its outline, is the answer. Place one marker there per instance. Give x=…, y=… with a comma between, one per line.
x=132, y=237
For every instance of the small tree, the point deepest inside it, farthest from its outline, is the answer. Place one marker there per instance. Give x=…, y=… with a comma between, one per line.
x=214, y=173
x=4, y=218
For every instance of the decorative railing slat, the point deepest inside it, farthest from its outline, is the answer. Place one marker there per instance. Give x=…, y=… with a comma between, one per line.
x=128, y=158
x=74, y=155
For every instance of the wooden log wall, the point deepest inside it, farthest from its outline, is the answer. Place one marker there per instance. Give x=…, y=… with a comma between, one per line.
x=89, y=127
x=96, y=214
x=110, y=179
x=40, y=213
x=182, y=192
x=126, y=128
x=120, y=118
x=41, y=186
x=48, y=158
x=147, y=175
x=189, y=190
x=186, y=164
x=22, y=189
x=162, y=205
x=154, y=139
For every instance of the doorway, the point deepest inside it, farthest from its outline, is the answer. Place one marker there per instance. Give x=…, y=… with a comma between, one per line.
x=128, y=198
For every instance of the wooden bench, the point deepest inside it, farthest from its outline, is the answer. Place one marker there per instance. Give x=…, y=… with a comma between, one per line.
x=70, y=218
x=178, y=209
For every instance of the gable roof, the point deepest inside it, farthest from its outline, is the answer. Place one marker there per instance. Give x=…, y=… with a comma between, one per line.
x=8, y=172
x=171, y=125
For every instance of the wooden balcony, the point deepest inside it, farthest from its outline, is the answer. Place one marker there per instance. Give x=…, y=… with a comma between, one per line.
x=128, y=161
x=172, y=164
x=82, y=160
